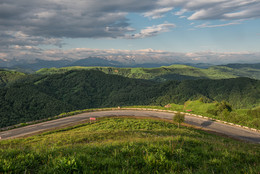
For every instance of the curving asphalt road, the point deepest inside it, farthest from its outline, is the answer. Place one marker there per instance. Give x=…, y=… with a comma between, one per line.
x=229, y=130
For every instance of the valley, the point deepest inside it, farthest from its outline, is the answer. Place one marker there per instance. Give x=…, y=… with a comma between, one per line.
x=129, y=87
x=48, y=113
x=47, y=93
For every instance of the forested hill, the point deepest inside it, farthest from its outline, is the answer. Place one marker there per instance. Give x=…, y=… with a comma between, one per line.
x=41, y=96
x=243, y=66
x=173, y=72
x=7, y=77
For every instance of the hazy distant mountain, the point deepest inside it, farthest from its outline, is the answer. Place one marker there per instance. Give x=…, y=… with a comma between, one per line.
x=34, y=65
x=239, y=66
x=38, y=64
x=94, y=61
x=2, y=63
x=200, y=65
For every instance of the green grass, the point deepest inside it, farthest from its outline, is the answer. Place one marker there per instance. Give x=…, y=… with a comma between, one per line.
x=128, y=145
x=237, y=116
x=199, y=107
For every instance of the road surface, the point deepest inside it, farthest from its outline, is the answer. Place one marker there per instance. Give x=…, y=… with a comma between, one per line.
x=231, y=131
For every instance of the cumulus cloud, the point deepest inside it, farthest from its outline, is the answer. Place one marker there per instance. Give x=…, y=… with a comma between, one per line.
x=107, y=19
x=66, y=18
x=152, y=31
x=88, y=18
x=9, y=38
x=26, y=24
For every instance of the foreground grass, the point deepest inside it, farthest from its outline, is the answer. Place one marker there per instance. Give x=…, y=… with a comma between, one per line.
x=128, y=145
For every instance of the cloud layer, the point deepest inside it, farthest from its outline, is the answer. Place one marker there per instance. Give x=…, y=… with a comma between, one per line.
x=98, y=18
x=26, y=24
x=217, y=9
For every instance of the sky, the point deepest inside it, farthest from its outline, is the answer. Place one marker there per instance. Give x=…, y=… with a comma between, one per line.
x=202, y=31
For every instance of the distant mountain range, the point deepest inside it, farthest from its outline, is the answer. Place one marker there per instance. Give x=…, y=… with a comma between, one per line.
x=164, y=71
x=34, y=65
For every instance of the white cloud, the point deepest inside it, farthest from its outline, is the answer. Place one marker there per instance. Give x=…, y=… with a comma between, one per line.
x=206, y=25
x=216, y=9
x=181, y=17
x=34, y=22
x=181, y=12
x=157, y=13
x=152, y=31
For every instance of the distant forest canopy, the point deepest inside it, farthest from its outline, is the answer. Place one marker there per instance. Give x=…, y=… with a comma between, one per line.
x=37, y=96
x=156, y=72
x=173, y=72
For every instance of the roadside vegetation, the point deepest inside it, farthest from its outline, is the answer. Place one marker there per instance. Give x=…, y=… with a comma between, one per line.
x=215, y=110
x=128, y=145
x=179, y=118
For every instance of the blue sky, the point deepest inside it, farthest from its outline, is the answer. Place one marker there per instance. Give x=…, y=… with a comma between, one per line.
x=53, y=28
x=187, y=36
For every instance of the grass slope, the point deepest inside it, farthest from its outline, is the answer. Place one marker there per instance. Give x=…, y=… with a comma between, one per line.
x=128, y=145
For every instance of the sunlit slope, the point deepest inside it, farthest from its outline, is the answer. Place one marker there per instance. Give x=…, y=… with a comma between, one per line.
x=128, y=145
x=173, y=72
x=7, y=77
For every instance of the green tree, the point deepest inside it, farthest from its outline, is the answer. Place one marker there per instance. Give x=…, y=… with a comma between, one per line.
x=179, y=118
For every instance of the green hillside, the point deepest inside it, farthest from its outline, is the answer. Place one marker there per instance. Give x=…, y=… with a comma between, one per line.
x=173, y=72
x=41, y=96
x=7, y=77
x=128, y=145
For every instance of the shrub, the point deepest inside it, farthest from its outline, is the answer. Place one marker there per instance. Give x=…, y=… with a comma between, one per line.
x=223, y=109
x=205, y=100
x=254, y=112
x=224, y=106
x=179, y=118
x=212, y=111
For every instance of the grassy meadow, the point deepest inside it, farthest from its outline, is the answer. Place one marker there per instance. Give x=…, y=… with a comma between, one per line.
x=128, y=145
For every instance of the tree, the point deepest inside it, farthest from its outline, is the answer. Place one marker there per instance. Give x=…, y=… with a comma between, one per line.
x=179, y=118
